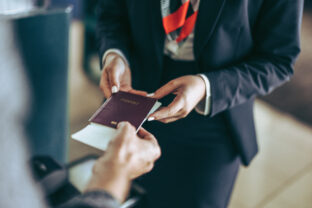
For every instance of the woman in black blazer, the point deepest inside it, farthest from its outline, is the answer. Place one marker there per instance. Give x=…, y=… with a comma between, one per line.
x=244, y=48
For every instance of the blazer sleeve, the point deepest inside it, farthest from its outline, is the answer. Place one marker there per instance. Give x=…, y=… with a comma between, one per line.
x=113, y=28
x=276, y=47
x=93, y=199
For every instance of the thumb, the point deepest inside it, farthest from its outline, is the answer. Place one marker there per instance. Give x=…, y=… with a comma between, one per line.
x=123, y=134
x=114, y=78
x=125, y=128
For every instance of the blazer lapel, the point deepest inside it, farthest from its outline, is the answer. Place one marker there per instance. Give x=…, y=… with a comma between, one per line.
x=156, y=26
x=208, y=15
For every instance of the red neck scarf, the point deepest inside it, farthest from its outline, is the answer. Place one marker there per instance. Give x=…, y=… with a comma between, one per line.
x=179, y=18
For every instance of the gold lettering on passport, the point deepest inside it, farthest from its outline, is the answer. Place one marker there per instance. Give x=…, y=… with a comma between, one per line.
x=114, y=122
x=129, y=101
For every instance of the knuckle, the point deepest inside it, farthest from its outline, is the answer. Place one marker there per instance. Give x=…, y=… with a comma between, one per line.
x=118, y=141
x=172, y=83
x=112, y=77
x=129, y=127
x=157, y=153
x=122, y=137
x=104, y=70
x=111, y=71
x=149, y=167
x=153, y=137
x=107, y=68
x=131, y=156
x=183, y=111
x=95, y=169
x=112, y=142
x=187, y=107
x=170, y=111
x=102, y=87
x=184, y=97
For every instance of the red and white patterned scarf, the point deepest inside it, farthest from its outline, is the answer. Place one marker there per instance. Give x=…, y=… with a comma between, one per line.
x=179, y=18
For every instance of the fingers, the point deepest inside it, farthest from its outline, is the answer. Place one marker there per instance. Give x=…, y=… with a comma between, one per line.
x=147, y=167
x=114, y=79
x=125, y=127
x=125, y=131
x=152, y=149
x=174, y=109
x=172, y=119
x=109, y=83
x=143, y=133
x=104, y=85
x=168, y=88
x=113, y=69
x=126, y=134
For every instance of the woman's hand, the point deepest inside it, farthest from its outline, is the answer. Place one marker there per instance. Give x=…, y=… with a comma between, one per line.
x=116, y=75
x=189, y=91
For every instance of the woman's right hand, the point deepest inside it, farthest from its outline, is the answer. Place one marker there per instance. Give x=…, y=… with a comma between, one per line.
x=116, y=75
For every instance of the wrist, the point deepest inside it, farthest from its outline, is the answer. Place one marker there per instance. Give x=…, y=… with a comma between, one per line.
x=109, y=177
x=202, y=86
x=117, y=52
x=203, y=107
x=112, y=56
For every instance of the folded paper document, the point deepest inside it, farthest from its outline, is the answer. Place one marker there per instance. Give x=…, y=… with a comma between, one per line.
x=121, y=106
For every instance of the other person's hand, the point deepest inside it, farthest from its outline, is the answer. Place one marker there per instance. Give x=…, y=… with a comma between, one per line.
x=189, y=91
x=116, y=75
x=129, y=155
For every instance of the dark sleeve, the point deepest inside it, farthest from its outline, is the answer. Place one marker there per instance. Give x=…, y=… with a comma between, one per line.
x=276, y=47
x=94, y=199
x=113, y=29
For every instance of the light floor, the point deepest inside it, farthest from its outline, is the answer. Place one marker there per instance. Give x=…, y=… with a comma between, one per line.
x=279, y=177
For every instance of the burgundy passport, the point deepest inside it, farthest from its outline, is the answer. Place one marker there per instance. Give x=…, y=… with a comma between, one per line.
x=123, y=106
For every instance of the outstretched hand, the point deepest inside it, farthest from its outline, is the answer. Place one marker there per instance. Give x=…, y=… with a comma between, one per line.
x=128, y=156
x=189, y=91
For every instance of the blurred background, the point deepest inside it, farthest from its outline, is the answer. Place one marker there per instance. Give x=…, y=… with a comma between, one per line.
x=280, y=175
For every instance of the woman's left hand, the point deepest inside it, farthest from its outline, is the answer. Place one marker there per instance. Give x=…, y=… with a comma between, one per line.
x=189, y=91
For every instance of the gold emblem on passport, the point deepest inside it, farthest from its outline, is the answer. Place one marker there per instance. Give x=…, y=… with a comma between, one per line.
x=129, y=101
x=114, y=123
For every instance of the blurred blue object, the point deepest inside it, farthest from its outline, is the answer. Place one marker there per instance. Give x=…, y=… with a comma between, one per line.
x=42, y=38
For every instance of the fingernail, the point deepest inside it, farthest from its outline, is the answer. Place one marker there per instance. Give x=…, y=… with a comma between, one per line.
x=150, y=94
x=114, y=89
x=151, y=119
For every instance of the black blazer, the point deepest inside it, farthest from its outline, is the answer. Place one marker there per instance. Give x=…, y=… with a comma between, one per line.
x=245, y=47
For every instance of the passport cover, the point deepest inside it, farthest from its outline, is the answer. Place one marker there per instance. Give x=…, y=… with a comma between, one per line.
x=124, y=106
